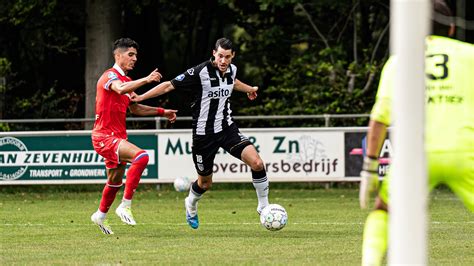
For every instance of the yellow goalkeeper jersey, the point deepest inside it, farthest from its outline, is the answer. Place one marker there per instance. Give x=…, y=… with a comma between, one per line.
x=449, y=68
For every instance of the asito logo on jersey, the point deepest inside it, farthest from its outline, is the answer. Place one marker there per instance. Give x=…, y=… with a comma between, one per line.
x=219, y=93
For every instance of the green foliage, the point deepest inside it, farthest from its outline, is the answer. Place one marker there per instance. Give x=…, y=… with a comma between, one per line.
x=41, y=25
x=307, y=57
x=4, y=127
x=40, y=43
x=5, y=67
x=302, y=72
x=52, y=103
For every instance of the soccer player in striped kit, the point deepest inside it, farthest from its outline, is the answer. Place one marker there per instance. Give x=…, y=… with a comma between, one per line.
x=109, y=136
x=211, y=83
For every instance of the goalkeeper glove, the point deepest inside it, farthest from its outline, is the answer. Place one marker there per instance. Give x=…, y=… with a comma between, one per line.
x=369, y=180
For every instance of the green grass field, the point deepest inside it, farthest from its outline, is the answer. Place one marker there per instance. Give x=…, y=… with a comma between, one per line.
x=52, y=226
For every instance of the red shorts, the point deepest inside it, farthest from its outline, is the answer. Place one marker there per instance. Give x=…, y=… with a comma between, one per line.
x=107, y=146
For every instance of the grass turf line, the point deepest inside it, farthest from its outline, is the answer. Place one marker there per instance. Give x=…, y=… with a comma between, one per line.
x=325, y=228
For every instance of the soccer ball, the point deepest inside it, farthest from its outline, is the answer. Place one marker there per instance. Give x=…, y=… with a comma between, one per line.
x=274, y=217
x=182, y=183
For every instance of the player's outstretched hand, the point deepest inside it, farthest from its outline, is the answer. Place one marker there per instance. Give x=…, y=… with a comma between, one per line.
x=170, y=114
x=135, y=97
x=369, y=180
x=252, y=95
x=154, y=76
x=132, y=95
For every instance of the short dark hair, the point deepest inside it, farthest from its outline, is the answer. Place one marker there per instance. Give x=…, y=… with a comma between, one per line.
x=224, y=43
x=125, y=43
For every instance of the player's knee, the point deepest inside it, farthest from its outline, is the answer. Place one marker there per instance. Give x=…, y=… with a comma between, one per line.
x=257, y=164
x=114, y=179
x=205, y=182
x=206, y=185
x=115, y=175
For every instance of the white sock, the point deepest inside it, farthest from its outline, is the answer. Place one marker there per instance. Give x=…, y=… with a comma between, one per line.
x=262, y=189
x=193, y=198
x=125, y=203
x=192, y=201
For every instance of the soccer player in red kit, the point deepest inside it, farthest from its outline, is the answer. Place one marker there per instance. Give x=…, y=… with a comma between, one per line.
x=109, y=136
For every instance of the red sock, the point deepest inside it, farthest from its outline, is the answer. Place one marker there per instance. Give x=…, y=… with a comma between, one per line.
x=134, y=173
x=108, y=196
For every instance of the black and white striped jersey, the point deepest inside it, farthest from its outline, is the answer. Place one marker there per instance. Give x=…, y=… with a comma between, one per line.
x=211, y=92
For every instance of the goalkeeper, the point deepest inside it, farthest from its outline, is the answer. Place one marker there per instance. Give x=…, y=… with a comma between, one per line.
x=449, y=129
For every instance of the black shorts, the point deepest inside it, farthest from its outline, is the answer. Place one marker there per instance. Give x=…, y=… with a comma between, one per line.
x=205, y=147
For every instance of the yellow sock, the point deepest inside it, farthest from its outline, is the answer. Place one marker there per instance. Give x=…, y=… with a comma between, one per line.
x=374, y=243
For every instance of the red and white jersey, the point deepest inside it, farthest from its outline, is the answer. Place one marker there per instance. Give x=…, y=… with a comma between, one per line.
x=111, y=107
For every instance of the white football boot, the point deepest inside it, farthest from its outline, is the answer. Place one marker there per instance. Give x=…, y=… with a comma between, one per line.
x=102, y=223
x=125, y=214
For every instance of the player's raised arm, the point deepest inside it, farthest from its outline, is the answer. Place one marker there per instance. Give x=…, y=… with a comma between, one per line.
x=127, y=87
x=158, y=90
x=251, y=91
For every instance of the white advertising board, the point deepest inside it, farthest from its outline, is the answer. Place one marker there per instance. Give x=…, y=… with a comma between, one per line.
x=289, y=155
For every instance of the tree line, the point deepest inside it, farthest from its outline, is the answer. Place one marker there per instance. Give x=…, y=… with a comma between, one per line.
x=308, y=57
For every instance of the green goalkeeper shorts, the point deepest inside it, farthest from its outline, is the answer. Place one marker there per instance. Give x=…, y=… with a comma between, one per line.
x=454, y=169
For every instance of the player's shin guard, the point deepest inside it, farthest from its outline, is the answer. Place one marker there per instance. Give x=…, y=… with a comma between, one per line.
x=134, y=173
x=108, y=196
x=374, y=243
x=261, y=185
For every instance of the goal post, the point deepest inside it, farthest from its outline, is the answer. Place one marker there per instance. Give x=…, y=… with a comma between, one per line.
x=408, y=188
